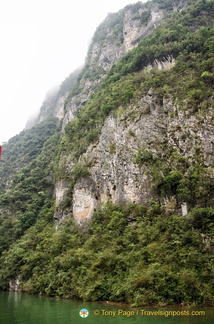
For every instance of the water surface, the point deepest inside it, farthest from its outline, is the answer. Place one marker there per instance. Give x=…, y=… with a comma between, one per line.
x=17, y=308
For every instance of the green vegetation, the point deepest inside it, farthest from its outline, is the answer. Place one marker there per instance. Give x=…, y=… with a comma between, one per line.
x=113, y=22
x=184, y=37
x=22, y=149
x=143, y=156
x=29, y=196
x=166, y=4
x=138, y=254
x=133, y=254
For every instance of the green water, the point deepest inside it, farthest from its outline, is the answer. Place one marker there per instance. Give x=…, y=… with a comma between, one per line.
x=18, y=308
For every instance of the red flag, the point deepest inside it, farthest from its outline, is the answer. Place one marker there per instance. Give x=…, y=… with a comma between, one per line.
x=0, y=151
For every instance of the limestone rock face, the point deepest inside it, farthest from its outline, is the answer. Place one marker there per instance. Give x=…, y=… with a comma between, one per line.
x=153, y=123
x=84, y=200
x=108, y=51
x=114, y=174
x=118, y=34
x=110, y=42
x=115, y=177
x=60, y=191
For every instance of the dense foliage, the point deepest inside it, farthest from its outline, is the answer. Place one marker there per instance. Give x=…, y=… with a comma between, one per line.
x=135, y=254
x=29, y=196
x=23, y=148
x=188, y=38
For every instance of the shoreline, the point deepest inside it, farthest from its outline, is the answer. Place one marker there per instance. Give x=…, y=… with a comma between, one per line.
x=117, y=304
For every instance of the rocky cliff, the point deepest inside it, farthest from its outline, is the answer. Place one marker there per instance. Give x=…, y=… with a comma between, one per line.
x=119, y=33
x=154, y=128
x=152, y=124
x=109, y=196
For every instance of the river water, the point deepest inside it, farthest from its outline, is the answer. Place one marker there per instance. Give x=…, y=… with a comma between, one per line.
x=17, y=308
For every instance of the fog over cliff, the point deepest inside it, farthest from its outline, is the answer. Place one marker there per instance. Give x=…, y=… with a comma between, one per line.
x=42, y=42
x=108, y=194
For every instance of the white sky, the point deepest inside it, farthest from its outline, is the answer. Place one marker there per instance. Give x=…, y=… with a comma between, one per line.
x=41, y=43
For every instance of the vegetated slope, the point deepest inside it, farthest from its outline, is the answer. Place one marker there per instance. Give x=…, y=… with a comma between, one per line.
x=28, y=168
x=22, y=149
x=158, y=118
x=130, y=252
x=119, y=33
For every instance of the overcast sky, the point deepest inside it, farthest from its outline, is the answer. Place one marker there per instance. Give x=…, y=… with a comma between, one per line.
x=42, y=42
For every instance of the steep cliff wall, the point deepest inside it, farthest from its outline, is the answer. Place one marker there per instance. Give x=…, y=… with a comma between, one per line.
x=119, y=33
x=139, y=146
x=117, y=204
x=162, y=131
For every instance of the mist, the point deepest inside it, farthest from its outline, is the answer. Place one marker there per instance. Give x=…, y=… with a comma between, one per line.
x=42, y=42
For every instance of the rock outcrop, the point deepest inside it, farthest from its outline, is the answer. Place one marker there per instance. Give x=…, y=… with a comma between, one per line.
x=115, y=177
x=119, y=33
x=153, y=124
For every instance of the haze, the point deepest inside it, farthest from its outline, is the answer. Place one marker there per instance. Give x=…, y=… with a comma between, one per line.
x=42, y=42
